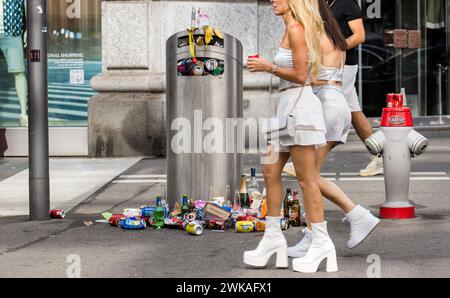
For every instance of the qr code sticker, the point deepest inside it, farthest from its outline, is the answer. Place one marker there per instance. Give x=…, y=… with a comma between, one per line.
x=76, y=76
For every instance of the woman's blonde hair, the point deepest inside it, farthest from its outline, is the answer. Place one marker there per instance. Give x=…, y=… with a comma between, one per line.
x=307, y=13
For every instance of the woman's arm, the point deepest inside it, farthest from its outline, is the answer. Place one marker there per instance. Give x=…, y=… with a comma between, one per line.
x=299, y=49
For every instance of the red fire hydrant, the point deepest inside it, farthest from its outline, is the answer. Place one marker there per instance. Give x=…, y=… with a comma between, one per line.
x=397, y=142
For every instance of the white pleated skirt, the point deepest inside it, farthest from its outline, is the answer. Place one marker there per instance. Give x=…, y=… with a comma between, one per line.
x=336, y=112
x=310, y=126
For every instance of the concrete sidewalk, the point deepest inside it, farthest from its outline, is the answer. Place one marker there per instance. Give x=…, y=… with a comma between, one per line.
x=72, y=180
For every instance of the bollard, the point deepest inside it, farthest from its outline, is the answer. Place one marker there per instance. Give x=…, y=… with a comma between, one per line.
x=397, y=142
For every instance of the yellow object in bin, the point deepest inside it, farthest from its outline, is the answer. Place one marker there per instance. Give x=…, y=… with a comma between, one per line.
x=191, y=41
x=218, y=33
x=208, y=35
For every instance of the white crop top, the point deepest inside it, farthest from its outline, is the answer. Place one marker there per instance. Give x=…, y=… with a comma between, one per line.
x=332, y=73
x=283, y=58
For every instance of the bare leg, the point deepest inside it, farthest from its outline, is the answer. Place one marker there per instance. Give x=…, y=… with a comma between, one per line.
x=361, y=125
x=304, y=162
x=328, y=189
x=274, y=185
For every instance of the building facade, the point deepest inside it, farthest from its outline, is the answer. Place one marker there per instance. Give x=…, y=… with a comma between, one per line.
x=107, y=64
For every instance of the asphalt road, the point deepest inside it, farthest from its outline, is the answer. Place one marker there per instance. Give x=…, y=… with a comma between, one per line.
x=418, y=247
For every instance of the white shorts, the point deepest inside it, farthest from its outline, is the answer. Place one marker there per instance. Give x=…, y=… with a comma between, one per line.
x=337, y=115
x=349, y=89
x=310, y=126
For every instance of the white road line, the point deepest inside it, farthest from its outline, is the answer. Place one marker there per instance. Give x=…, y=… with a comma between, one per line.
x=382, y=179
x=139, y=181
x=429, y=178
x=144, y=176
x=363, y=179
x=428, y=173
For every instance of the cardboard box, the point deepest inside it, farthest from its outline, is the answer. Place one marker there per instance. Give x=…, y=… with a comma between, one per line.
x=215, y=211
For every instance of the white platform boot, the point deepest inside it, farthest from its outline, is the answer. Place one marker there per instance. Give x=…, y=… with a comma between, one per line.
x=273, y=242
x=301, y=248
x=321, y=248
x=362, y=223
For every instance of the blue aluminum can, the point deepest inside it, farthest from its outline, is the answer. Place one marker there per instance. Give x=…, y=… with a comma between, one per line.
x=133, y=223
x=147, y=211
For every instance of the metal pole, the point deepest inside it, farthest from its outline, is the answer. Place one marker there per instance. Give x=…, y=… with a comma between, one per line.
x=38, y=110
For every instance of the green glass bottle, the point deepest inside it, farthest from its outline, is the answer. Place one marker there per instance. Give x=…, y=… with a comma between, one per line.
x=185, y=206
x=159, y=214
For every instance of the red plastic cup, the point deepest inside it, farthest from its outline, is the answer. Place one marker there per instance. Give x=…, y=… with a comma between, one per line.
x=253, y=56
x=398, y=100
x=390, y=100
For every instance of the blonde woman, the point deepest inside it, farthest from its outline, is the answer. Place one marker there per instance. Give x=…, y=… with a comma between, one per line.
x=337, y=115
x=298, y=59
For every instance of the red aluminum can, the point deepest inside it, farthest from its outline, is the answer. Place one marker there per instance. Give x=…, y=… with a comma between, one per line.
x=115, y=219
x=57, y=213
x=253, y=56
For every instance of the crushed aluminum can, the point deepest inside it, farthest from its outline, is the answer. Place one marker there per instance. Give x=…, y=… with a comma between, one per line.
x=235, y=215
x=133, y=223
x=245, y=226
x=215, y=224
x=172, y=223
x=260, y=226
x=285, y=223
x=198, y=69
x=211, y=65
x=147, y=211
x=194, y=228
x=116, y=219
x=132, y=212
x=250, y=212
x=57, y=213
x=190, y=216
x=245, y=218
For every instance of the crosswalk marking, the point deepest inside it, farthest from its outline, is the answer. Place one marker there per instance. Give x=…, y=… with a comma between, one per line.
x=344, y=176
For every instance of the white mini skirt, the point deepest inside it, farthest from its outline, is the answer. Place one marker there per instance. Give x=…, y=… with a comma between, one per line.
x=310, y=126
x=336, y=112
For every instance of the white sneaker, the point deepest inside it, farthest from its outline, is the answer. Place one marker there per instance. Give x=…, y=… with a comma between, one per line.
x=301, y=248
x=362, y=223
x=289, y=169
x=273, y=242
x=321, y=248
x=23, y=120
x=375, y=167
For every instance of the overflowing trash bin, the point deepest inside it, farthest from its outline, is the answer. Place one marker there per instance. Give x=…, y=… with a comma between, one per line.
x=204, y=85
x=206, y=188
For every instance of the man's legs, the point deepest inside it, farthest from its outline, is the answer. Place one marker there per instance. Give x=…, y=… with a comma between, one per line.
x=359, y=120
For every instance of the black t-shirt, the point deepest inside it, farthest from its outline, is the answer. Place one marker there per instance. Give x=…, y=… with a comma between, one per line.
x=346, y=11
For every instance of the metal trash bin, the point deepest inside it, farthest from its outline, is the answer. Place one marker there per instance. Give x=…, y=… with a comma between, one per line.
x=217, y=95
